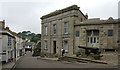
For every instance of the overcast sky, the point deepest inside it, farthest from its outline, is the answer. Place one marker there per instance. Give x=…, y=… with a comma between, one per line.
x=23, y=15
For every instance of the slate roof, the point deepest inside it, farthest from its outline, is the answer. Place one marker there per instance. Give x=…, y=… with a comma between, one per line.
x=98, y=21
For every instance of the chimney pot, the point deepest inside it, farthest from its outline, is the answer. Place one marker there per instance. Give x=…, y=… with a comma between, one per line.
x=86, y=15
x=3, y=24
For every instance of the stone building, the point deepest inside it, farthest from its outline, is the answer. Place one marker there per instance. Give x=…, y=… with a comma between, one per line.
x=69, y=28
x=102, y=34
x=58, y=30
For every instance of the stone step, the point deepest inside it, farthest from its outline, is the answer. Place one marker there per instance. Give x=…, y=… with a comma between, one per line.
x=81, y=60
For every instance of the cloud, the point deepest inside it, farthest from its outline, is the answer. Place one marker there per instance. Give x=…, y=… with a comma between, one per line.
x=25, y=14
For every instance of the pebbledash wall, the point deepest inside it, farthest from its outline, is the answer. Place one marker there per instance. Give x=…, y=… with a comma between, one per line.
x=69, y=28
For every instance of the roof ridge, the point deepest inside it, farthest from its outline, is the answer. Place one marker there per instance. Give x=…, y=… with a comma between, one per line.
x=73, y=7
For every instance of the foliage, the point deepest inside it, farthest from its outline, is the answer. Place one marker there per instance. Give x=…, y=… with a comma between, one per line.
x=78, y=53
x=26, y=34
x=23, y=38
x=97, y=56
x=32, y=34
x=34, y=48
x=35, y=39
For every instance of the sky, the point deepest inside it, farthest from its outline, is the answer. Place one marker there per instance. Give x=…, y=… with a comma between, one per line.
x=24, y=15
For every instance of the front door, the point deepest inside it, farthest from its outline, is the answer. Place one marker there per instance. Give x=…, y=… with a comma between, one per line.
x=54, y=47
x=93, y=38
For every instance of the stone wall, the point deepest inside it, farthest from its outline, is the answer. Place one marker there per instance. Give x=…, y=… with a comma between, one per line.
x=72, y=17
x=106, y=42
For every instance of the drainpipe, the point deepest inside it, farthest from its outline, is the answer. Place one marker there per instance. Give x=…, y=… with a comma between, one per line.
x=50, y=37
x=15, y=50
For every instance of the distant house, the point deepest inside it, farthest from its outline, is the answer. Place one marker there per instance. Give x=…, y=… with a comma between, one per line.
x=19, y=46
x=28, y=46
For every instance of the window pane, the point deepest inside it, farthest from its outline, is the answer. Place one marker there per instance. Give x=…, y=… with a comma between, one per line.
x=66, y=27
x=46, y=30
x=110, y=32
x=89, y=32
x=88, y=39
x=65, y=45
x=54, y=29
x=77, y=33
x=91, y=40
x=98, y=40
x=95, y=32
x=94, y=39
x=45, y=44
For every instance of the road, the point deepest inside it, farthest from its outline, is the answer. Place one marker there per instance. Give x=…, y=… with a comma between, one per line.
x=28, y=61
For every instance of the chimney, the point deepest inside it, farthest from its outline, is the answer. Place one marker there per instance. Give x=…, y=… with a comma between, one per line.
x=86, y=16
x=7, y=28
x=3, y=24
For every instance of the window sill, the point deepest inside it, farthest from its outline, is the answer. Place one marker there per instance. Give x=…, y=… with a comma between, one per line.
x=45, y=48
x=66, y=51
x=77, y=36
x=66, y=34
x=45, y=35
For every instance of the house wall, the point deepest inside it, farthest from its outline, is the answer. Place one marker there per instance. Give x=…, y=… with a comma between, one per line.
x=12, y=48
x=17, y=46
x=5, y=48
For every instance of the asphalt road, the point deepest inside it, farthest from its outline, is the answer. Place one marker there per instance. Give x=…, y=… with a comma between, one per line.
x=30, y=62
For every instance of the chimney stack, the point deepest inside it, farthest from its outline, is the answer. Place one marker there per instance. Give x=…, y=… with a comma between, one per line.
x=86, y=16
x=7, y=28
x=3, y=24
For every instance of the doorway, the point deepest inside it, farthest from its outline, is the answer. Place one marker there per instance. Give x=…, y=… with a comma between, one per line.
x=93, y=38
x=54, y=47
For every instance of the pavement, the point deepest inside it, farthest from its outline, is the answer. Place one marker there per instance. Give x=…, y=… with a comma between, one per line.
x=10, y=65
x=110, y=58
x=29, y=62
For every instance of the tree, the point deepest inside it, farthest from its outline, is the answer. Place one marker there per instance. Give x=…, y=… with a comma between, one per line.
x=35, y=39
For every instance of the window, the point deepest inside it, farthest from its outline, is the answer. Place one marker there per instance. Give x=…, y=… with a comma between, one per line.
x=94, y=39
x=93, y=32
x=45, y=30
x=54, y=26
x=97, y=39
x=66, y=46
x=77, y=33
x=9, y=41
x=91, y=40
x=88, y=39
x=110, y=32
x=45, y=44
x=66, y=28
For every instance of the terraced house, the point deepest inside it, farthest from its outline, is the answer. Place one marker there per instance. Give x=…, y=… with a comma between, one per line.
x=8, y=44
x=11, y=44
x=69, y=28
